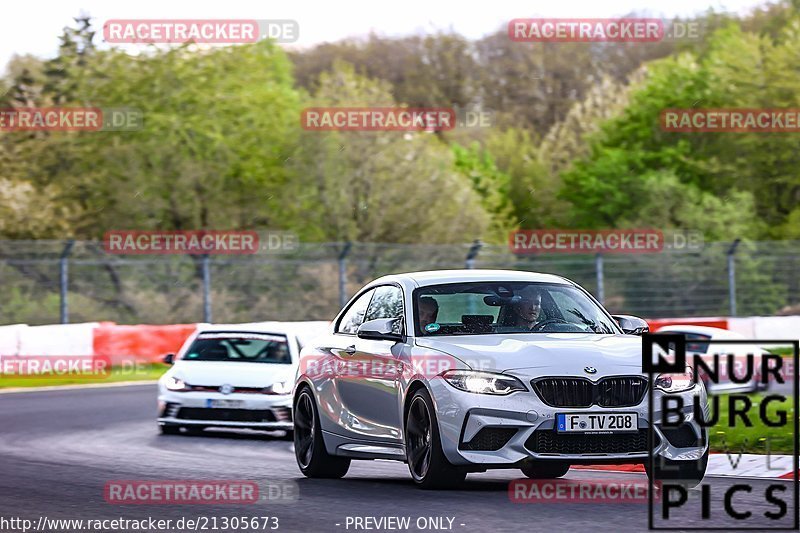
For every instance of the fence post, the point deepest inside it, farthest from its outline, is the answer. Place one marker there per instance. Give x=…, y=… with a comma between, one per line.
x=343, y=274
x=732, y=275
x=601, y=289
x=63, y=274
x=206, y=268
x=472, y=254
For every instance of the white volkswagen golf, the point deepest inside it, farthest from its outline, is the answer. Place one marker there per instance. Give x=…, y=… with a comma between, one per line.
x=232, y=376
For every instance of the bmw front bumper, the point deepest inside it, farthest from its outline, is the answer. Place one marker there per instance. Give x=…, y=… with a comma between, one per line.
x=500, y=431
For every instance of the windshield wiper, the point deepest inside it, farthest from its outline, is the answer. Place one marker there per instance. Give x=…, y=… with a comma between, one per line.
x=591, y=323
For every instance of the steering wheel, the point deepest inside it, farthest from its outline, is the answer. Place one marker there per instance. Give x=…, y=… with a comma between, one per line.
x=541, y=325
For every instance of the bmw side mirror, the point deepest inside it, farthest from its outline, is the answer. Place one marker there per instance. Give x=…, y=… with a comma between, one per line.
x=382, y=329
x=632, y=325
x=169, y=359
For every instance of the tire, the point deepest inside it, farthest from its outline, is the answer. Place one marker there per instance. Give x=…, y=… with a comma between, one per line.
x=169, y=429
x=309, y=448
x=545, y=469
x=427, y=464
x=691, y=473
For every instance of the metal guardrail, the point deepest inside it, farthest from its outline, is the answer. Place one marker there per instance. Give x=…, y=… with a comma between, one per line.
x=73, y=281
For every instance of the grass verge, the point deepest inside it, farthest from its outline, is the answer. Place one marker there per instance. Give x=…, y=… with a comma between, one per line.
x=760, y=437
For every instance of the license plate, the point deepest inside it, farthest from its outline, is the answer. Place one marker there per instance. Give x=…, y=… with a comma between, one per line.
x=224, y=404
x=597, y=423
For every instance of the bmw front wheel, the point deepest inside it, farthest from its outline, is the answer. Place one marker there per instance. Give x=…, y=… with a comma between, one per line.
x=429, y=467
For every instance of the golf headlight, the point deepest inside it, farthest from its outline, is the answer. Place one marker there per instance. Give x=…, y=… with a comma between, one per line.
x=675, y=382
x=175, y=384
x=282, y=387
x=483, y=382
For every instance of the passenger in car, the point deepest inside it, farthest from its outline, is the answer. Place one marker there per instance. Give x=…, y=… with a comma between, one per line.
x=428, y=311
x=279, y=353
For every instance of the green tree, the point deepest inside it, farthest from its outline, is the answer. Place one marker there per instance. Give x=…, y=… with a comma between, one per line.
x=741, y=70
x=377, y=186
x=217, y=128
x=491, y=184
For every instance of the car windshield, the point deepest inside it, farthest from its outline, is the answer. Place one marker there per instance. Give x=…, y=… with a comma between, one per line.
x=694, y=342
x=507, y=307
x=239, y=346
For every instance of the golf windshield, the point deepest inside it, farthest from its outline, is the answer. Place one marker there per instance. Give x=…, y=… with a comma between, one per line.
x=507, y=307
x=239, y=346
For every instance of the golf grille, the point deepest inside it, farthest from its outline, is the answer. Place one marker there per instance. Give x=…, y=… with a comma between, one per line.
x=581, y=392
x=226, y=415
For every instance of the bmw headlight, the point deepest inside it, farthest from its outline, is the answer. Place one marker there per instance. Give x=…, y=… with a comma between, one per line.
x=175, y=384
x=282, y=387
x=483, y=382
x=675, y=382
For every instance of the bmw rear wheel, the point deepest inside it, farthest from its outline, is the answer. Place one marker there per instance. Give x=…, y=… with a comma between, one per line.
x=309, y=448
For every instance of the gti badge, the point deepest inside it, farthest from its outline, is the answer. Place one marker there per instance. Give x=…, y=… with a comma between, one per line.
x=226, y=389
x=590, y=370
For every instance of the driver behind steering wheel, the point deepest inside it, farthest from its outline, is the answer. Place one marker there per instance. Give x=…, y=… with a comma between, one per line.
x=528, y=311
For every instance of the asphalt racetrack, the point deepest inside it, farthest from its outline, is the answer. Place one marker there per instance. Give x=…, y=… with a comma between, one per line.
x=59, y=449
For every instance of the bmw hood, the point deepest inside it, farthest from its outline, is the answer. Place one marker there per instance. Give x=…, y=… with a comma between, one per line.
x=237, y=374
x=544, y=353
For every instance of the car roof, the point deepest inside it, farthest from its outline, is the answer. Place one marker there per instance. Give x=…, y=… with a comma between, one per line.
x=250, y=327
x=437, y=277
x=303, y=332
x=712, y=332
x=286, y=328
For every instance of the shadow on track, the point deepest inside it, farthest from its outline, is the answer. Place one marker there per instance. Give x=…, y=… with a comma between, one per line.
x=472, y=484
x=230, y=434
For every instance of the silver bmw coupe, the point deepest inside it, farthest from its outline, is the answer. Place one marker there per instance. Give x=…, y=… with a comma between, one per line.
x=462, y=371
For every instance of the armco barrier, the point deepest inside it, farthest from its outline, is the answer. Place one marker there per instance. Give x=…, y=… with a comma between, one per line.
x=776, y=327
x=745, y=326
x=752, y=327
x=148, y=343
x=61, y=339
x=714, y=322
x=141, y=342
x=9, y=338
